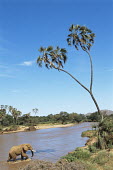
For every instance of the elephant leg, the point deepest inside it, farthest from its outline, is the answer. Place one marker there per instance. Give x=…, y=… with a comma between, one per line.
x=22, y=157
x=14, y=157
x=25, y=155
x=9, y=158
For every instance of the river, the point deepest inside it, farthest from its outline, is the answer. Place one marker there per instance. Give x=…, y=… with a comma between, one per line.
x=50, y=144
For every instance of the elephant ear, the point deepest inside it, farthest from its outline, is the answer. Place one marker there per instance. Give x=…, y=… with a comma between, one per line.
x=25, y=148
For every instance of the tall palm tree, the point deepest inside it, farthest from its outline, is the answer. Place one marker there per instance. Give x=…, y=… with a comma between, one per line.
x=35, y=110
x=15, y=113
x=2, y=115
x=80, y=37
x=10, y=108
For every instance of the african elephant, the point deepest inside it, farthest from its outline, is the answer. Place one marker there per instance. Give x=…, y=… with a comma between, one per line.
x=20, y=150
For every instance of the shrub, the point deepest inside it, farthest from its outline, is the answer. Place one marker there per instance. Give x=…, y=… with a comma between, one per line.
x=79, y=153
x=102, y=158
x=92, y=148
x=89, y=133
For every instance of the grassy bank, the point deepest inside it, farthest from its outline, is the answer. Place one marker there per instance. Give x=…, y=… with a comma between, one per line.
x=84, y=158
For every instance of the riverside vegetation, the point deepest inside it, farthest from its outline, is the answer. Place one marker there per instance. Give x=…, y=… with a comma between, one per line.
x=11, y=119
x=89, y=157
x=97, y=154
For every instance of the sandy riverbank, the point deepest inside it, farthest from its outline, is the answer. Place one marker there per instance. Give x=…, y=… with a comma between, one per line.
x=38, y=127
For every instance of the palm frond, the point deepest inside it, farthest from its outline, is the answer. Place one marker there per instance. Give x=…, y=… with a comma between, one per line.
x=49, y=48
x=63, y=50
x=64, y=58
x=41, y=49
x=80, y=36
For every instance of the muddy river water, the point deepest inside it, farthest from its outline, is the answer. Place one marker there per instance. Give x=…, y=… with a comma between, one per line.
x=50, y=144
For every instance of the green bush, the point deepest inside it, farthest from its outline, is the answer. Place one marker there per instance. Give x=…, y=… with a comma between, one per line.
x=92, y=148
x=89, y=133
x=102, y=158
x=79, y=153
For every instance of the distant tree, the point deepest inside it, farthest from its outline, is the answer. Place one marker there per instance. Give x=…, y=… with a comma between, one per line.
x=15, y=113
x=10, y=108
x=94, y=117
x=7, y=120
x=24, y=119
x=72, y=117
x=35, y=111
x=51, y=118
x=2, y=115
x=57, y=117
x=1, y=106
x=80, y=118
x=79, y=37
x=27, y=115
x=64, y=117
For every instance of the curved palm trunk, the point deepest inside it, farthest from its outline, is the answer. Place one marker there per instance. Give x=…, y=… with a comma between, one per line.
x=89, y=91
x=91, y=82
x=98, y=109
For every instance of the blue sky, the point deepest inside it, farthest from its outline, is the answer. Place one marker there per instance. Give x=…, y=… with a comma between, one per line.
x=28, y=24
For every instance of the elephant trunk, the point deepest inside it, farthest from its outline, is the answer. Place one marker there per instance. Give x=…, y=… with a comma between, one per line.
x=32, y=151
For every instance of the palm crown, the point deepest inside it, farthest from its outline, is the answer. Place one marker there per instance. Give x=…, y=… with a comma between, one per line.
x=52, y=58
x=80, y=36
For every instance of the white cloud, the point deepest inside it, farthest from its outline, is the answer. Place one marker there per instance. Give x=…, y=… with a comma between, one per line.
x=27, y=63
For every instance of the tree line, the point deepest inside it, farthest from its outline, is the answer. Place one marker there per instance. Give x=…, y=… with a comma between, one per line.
x=12, y=116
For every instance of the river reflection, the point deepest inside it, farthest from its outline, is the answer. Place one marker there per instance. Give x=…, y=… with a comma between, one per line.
x=50, y=144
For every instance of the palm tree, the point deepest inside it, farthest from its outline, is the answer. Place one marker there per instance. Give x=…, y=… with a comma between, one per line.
x=15, y=113
x=10, y=108
x=2, y=115
x=2, y=112
x=35, y=110
x=80, y=37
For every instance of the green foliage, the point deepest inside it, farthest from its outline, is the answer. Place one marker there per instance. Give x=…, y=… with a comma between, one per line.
x=78, y=154
x=92, y=148
x=2, y=114
x=94, y=117
x=89, y=159
x=80, y=36
x=102, y=158
x=64, y=116
x=8, y=120
x=89, y=133
x=107, y=124
x=52, y=57
x=105, y=137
